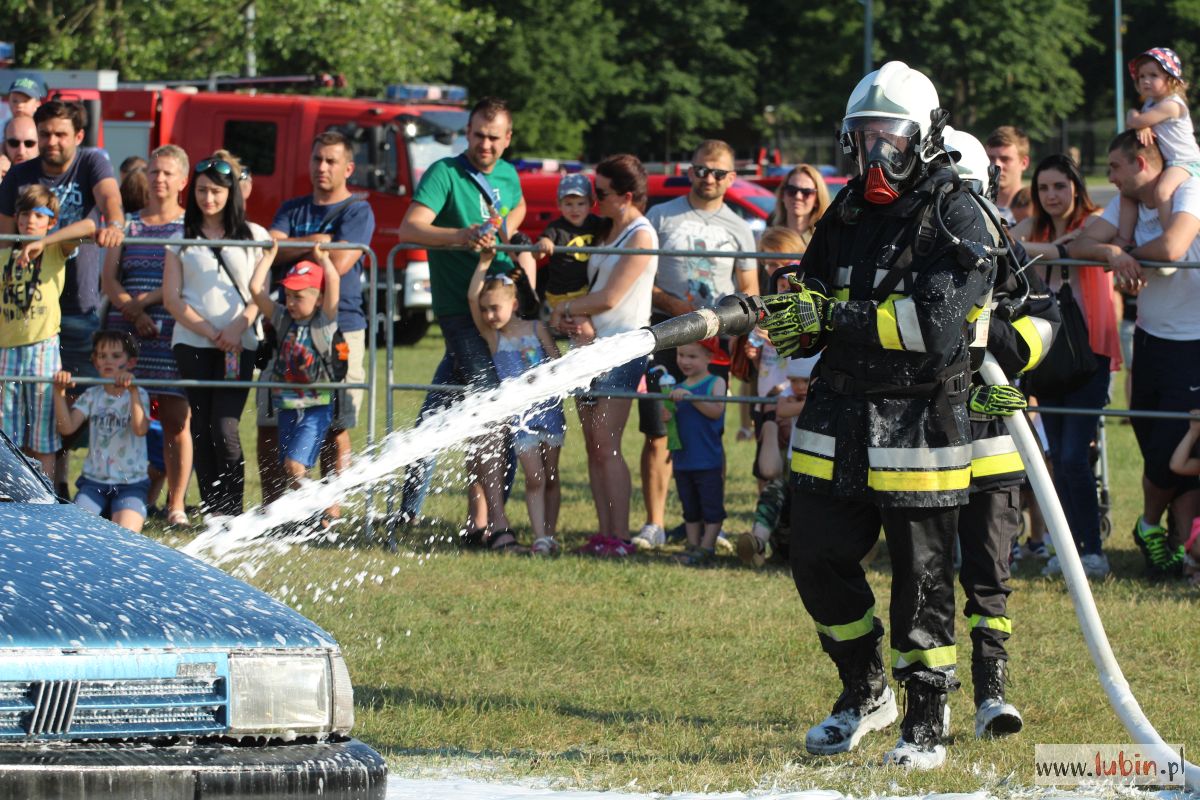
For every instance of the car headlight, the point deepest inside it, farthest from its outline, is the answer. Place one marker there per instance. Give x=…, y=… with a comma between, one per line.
x=289, y=695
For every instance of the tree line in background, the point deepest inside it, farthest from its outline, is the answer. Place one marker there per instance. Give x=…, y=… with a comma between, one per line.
x=587, y=78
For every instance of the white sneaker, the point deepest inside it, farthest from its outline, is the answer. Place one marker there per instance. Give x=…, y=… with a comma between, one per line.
x=1052, y=568
x=650, y=537
x=841, y=731
x=913, y=756
x=1095, y=566
x=996, y=718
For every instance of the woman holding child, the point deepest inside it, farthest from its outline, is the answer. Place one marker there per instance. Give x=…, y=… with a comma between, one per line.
x=133, y=281
x=206, y=289
x=619, y=301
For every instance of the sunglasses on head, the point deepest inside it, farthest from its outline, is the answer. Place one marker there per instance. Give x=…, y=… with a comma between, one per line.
x=28, y=143
x=704, y=172
x=217, y=165
x=803, y=191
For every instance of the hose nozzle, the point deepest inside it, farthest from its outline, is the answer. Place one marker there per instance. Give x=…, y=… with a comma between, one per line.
x=735, y=315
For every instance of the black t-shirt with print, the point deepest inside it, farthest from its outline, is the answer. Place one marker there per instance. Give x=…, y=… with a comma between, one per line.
x=567, y=272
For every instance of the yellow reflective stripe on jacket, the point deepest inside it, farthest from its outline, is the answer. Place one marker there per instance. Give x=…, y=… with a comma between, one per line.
x=898, y=324
x=814, y=466
x=850, y=630
x=886, y=325
x=812, y=453
x=1037, y=334
x=935, y=657
x=996, y=455
x=913, y=481
x=919, y=469
x=995, y=623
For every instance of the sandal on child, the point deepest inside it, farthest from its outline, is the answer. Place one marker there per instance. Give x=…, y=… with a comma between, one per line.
x=697, y=557
x=511, y=546
x=474, y=539
x=178, y=518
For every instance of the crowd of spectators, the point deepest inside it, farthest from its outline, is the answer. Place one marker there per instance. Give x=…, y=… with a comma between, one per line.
x=213, y=313
x=84, y=302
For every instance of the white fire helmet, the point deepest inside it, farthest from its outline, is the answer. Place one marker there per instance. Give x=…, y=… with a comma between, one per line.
x=973, y=162
x=887, y=118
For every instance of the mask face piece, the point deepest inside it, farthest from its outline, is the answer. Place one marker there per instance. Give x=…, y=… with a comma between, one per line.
x=878, y=190
x=886, y=152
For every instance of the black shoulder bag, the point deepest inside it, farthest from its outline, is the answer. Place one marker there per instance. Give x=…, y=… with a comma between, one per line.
x=1069, y=363
x=266, y=343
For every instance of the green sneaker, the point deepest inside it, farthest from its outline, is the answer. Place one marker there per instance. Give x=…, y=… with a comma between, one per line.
x=1152, y=541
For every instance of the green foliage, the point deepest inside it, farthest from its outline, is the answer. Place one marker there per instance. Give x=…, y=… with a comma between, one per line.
x=554, y=65
x=969, y=50
x=685, y=78
x=194, y=39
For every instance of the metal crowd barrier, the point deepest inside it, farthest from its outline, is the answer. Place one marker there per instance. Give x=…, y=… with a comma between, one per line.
x=391, y=386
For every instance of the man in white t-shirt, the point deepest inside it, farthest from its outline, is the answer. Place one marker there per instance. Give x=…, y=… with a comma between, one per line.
x=1166, y=343
x=699, y=220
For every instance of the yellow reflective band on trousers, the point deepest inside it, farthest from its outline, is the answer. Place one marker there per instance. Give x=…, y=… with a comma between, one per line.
x=1037, y=334
x=925, y=469
x=851, y=630
x=995, y=623
x=936, y=657
x=996, y=455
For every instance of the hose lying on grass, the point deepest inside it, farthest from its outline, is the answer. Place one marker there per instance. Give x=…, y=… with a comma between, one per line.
x=1111, y=678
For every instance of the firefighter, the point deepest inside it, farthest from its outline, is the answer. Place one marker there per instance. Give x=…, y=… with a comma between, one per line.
x=1018, y=332
x=896, y=271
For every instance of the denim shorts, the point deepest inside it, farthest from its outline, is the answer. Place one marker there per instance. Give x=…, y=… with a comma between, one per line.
x=624, y=378
x=106, y=499
x=302, y=431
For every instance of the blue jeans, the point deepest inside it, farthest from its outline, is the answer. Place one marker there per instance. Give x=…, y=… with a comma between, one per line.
x=1070, y=438
x=466, y=361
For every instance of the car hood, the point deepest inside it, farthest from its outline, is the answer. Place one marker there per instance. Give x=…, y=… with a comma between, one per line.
x=71, y=580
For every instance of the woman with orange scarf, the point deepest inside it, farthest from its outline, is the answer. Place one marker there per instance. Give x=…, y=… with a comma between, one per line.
x=1061, y=207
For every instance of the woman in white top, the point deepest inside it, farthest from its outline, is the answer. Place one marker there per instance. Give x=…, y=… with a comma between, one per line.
x=206, y=289
x=619, y=301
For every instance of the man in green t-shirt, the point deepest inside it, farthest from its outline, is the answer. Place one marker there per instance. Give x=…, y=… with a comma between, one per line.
x=450, y=209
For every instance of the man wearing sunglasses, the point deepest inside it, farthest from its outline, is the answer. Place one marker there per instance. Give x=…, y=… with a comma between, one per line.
x=20, y=143
x=82, y=179
x=700, y=220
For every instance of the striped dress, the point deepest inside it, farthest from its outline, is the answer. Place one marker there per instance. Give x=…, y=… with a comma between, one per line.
x=139, y=271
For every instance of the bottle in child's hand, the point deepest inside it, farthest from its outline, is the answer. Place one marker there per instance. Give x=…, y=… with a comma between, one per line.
x=494, y=221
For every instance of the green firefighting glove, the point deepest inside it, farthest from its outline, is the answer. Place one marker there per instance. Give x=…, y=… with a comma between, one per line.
x=795, y=321
x=997, y=401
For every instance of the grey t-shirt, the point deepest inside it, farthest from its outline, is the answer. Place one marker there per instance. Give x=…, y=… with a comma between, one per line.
x=702, y=281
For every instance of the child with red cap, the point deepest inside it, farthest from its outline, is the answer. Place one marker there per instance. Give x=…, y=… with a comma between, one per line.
x=306, y=330
x=699, y=465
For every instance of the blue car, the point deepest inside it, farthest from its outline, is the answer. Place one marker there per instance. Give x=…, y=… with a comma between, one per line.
x=128, y=669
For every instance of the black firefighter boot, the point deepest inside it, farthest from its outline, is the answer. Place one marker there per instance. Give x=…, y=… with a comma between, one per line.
x=925, y=725
x=994, y=716
x=866, y=704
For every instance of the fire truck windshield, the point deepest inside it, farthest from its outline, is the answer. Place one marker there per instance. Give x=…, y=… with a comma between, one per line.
x=431, y=136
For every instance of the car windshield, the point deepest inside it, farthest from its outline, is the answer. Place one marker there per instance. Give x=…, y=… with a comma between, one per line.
x=18, y=482
x=433, y=135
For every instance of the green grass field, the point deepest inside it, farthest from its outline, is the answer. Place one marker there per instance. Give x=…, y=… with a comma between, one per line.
x=648, y=675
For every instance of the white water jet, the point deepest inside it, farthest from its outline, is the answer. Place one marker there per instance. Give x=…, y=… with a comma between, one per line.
x=477, y=413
